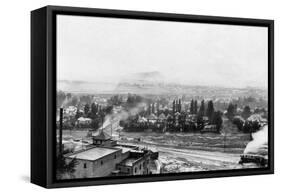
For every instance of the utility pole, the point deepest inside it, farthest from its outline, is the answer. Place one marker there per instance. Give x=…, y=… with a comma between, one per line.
x=102, y=123
x=224, y=141
x=111, y=128
x=60, y=130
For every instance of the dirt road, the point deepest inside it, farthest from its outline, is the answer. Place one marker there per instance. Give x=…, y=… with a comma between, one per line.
x=185, y=160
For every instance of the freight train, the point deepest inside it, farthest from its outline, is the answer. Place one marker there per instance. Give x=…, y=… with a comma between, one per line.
x=252, y=158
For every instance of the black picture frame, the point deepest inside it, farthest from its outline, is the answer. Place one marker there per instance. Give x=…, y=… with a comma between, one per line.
x=43, y=94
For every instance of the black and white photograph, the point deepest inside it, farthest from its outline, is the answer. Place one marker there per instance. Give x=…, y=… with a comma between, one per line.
x=138, y=97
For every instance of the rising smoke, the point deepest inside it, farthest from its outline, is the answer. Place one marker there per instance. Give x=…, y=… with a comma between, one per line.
x=123, y=114
x=259, y=144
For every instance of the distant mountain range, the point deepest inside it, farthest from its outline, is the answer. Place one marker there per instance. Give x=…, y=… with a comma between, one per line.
x=134, y=83
x=144, y=77
x=151, y=83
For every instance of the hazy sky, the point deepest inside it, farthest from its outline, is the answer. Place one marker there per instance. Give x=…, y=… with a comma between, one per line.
x=108, y=49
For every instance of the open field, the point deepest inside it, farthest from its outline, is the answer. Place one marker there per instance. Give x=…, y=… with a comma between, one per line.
x=234, y=143
x=193, y=151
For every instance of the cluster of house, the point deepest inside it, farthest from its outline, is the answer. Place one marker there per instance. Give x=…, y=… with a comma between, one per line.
x=105, y=157
x=172, y=120
x=70, y=118
x=154, y=117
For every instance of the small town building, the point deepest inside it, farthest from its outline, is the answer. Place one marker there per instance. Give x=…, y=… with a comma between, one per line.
x=162, y=117
x=209, y=128
x=84, y=121
x=152, y=118
x=136, y=164
x=142, y=120
x=101, y=138
x=118, y=160
x=95, y=161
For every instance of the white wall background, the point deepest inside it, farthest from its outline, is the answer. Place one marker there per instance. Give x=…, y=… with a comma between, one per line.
x=15, y=94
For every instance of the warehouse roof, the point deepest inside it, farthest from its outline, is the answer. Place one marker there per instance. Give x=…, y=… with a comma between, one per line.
x=93, y=153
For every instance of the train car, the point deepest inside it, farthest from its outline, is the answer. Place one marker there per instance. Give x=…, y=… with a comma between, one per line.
x=252, y=158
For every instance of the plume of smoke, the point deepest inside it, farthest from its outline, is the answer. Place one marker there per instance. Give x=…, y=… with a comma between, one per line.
x=259, y=144
x=64, y=103
x=72, y=101
x=123, y=114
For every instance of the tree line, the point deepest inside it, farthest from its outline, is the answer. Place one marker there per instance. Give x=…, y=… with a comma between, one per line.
x=214, y=117
x=241, y=120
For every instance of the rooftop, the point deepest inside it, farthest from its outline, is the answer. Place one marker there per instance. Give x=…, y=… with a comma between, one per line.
x=101, y=136
x=93, y=153
x=124, y=149
x=129, y=161
x=162, y=116
x=135, y=155
x=152, y=117
x=84, y=119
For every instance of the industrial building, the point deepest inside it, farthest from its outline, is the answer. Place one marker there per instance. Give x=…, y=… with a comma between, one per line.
x=105, y=157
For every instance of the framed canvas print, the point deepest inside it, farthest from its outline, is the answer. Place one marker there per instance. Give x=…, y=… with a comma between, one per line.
x=126, y=96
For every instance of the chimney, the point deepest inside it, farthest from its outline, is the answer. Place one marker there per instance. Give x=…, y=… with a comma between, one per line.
x=60, y=130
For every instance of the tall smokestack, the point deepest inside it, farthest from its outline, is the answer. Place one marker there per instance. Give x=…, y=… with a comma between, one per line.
x=60, y=130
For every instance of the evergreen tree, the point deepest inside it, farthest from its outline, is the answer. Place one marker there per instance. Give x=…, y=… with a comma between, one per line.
x=192, y=107
x=68, y=95
x=239, y=122
x=158, y=107
x=115, y=100
x=210, y=110
x=251, y=126
x=153, y=108
x=200, y=122
x=174, y=107
x=195, y=107
x=108, y=110
x=179, y=108
x=246, y=112
x=130, y=99
x=94, y=110
x=95, y=124
x=86, y=109
x=149, y=109
x=78, y=114
x=201, y=111
x=217, y=120
x=230, y=111
x=73, y=101
x=235, y=109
